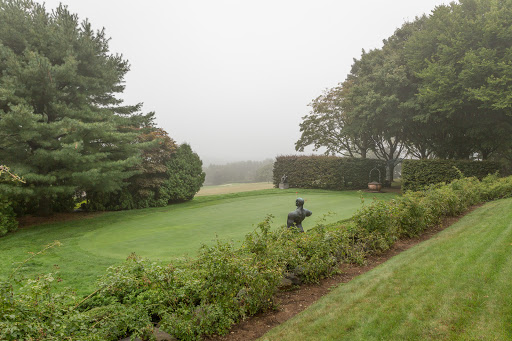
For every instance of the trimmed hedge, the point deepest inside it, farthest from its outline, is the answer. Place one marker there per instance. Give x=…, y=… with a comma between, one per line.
x=416, y=174
x=327, y=172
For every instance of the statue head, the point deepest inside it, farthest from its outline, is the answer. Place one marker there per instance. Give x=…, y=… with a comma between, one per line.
x=299, y=202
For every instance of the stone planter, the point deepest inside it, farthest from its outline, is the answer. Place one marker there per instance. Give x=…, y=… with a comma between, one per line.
x=284, y=186
x=374, y=186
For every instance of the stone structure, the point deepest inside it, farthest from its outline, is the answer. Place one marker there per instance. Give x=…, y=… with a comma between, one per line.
x=284, y=182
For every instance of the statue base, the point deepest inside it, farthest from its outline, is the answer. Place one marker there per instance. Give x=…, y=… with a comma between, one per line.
x=284, y=186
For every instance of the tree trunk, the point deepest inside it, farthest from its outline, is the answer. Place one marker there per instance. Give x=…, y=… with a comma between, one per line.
x=45, y=208
x=390, y=171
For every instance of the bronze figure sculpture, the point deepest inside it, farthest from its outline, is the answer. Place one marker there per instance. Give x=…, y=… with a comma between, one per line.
x=296, y=217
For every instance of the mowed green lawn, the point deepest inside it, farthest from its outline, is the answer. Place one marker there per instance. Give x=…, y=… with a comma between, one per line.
x=455, y=286
x=166, y=234
x=233, y=188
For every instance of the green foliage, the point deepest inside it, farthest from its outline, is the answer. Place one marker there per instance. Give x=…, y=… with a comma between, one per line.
x=61, y=126
x=309, y=256
x=7, y=216
x=455, y=286
x=495, y=187
x=461, y=57
x=145, y=188
x=207, y=295
x=328, y=126
x=185, y=173
x=415, y=211
x=327, y=172
x=417, y=174
x=441, y=86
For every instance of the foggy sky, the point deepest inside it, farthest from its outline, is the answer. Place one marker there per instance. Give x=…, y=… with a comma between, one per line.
x=234, y=77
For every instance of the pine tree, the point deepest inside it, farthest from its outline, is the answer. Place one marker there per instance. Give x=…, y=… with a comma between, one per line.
x=61, y=126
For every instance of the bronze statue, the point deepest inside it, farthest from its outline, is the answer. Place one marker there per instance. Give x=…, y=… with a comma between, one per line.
x=296, y=217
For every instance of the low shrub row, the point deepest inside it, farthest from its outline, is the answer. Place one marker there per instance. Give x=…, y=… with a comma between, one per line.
x=417, y=174
x=207, y=295
x=328, y=172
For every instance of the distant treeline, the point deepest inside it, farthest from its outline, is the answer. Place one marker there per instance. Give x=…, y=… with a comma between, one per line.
x=243, y=171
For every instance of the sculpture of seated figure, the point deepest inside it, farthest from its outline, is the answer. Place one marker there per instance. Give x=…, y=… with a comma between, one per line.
x=296, y=217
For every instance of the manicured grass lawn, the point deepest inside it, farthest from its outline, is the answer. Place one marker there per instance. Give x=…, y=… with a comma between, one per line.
x=233, y=188
x=455, y=286
x=166, y=234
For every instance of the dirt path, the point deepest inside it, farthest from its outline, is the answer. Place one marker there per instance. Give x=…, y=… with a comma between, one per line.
x=293, y=302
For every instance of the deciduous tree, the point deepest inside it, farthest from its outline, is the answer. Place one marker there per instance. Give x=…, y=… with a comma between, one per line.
x=329, y=127
x=463, y=58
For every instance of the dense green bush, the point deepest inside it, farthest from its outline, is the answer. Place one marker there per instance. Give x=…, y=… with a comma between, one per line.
x=327, y=172
x=186, y=176
x=416, y=174
x=207, y=295
x=7, y=216
x=178, y=180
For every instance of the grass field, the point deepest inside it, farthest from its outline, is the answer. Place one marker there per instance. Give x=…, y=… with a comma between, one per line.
x=233, y=188
x=455, y=286
x=161, y=234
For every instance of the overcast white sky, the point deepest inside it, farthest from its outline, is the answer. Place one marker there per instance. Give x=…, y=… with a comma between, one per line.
x=234, y=77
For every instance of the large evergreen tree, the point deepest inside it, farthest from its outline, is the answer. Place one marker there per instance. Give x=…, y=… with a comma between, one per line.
x=61, y=125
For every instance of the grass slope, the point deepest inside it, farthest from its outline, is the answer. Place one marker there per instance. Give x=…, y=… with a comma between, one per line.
x=456, y=286
x=89, y=246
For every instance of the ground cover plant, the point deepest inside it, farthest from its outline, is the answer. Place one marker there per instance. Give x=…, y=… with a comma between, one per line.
x=225, y=283
x=91, y=245
x=455, y=286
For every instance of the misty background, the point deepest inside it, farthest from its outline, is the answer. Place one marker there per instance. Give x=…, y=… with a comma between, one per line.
x=233, y=78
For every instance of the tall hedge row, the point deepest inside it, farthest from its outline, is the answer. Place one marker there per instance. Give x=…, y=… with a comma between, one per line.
x=327, y=172
x=417, y=174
